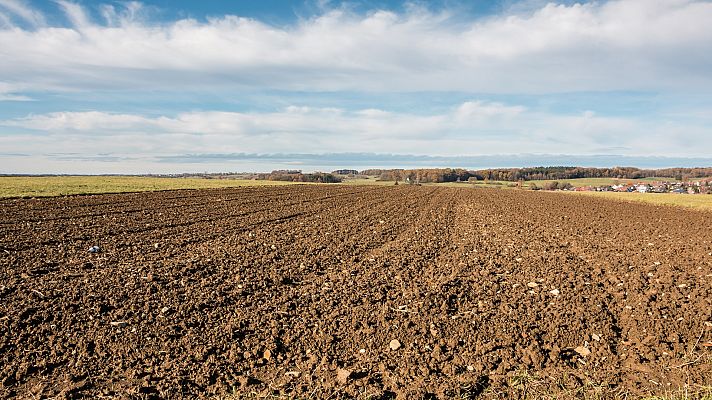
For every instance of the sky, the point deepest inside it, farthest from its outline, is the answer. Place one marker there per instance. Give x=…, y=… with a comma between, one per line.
x=168, y=86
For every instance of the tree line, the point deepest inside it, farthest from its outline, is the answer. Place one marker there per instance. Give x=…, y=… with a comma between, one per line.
x=530, y=174
x=298, y=176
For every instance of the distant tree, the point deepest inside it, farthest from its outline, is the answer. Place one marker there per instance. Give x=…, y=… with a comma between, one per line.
x=551, y=185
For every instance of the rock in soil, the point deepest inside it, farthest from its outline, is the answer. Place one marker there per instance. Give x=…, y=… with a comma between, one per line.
x=343, y=375
x=583, y=351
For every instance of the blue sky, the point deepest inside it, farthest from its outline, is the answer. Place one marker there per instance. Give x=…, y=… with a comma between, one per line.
x=172, y=86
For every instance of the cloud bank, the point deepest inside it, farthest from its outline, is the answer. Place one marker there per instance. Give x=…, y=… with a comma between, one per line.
x=109, y=163
x=470, y=127
x=613, y=45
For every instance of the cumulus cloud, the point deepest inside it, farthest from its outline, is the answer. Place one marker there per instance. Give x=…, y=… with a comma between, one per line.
x=473, y=127
x=614, y=45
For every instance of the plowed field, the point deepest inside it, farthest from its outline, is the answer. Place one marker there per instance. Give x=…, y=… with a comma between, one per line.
x=318, y=291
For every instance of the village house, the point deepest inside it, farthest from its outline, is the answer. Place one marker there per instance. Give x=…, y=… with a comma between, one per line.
x=702, y=186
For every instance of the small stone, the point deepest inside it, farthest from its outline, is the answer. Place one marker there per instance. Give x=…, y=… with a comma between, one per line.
x=362, y=351
x=518, y=259
x=273, y=247
x=343, y=375
x=118, y=324
x=293, y=374
x=156, y=245
x=94, y=249
x=682, y=286
x=164, y=310
x=267, y=354
x=596, y=337
x=555, y=292
x=394, y=344
x=532, y=284
x=582, y=351
x=470, y=368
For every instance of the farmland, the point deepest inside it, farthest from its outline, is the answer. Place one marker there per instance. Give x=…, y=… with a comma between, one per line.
x=700, y=202
x=47, y=186
x=313, y=291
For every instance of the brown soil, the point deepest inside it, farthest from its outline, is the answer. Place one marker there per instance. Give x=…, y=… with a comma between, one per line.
x=311, y=291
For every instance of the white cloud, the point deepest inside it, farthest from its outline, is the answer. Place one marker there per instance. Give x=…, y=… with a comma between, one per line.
x=13, y=97
x=23, y=11
x=130, y=13
x=8, y=92
x=93, y=122
x=615, y=45
x=470, y=128
x=75, y=13
x=478, y=110
x=5, y=21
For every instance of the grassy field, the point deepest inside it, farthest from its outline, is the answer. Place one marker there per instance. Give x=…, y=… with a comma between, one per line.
x=575, y=182
x=696, y=201
x=374, y=181
x=43, y=186
x=371, y=181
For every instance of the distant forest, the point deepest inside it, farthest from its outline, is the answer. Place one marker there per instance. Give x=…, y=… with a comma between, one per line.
x=298, y=176
x=536, y=173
